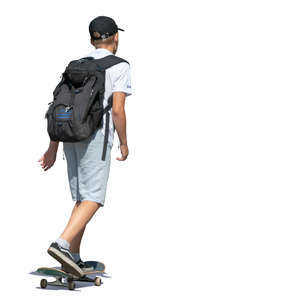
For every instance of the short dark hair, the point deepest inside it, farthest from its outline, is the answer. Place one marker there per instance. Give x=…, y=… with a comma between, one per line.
x=106, y=41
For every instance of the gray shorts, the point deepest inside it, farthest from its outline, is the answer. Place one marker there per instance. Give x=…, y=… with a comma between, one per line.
x=87, y=172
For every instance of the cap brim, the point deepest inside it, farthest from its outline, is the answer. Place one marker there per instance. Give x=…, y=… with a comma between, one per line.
x=121, y=29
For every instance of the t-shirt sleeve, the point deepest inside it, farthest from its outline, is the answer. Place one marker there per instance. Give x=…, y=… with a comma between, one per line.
x=121, y=79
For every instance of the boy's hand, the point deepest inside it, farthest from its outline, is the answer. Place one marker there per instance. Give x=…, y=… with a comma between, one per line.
x=124, y=152
x=48, y=159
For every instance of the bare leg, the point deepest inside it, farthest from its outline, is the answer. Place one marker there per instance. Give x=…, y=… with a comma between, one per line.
x=81, y=215
x=75, y=245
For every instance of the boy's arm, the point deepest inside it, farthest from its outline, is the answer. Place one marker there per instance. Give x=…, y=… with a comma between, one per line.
x=53, y=145
x=119, y=118
x=48, y=159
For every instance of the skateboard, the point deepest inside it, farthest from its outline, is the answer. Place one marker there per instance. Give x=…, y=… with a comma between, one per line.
x=66, y=279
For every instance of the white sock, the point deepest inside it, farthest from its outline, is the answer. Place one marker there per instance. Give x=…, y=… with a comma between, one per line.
x=76, y=257
x=63, y=243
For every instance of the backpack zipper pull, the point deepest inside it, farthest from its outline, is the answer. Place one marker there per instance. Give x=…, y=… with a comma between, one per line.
x=68, y=108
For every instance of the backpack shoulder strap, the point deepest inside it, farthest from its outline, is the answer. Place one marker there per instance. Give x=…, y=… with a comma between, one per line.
x=103, y=64
x=109, y=61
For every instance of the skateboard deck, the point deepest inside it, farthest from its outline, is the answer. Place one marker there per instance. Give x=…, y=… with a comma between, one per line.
x=66, y=279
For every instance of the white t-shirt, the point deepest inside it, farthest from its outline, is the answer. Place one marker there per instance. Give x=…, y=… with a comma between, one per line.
x=117, y=79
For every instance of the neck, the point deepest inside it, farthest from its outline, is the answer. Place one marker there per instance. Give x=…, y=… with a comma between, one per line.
x=110, y=48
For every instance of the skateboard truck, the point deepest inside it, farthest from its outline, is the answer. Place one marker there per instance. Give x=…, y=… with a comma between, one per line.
x=58, y=282
x=70, y=284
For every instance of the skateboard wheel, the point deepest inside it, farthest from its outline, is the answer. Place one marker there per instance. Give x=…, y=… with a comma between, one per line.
x=97, y=281
x=43, y=283
x=71, y=285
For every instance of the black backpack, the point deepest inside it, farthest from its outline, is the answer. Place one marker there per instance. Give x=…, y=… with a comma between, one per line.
x=77, y=109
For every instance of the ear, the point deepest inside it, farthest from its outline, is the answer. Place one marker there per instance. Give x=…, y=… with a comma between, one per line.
x=92, y=42
x=116, y=37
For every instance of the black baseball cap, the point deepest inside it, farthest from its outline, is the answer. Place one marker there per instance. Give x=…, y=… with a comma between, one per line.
x=103, y=27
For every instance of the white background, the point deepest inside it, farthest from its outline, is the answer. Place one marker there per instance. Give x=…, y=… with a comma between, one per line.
x=207, y=204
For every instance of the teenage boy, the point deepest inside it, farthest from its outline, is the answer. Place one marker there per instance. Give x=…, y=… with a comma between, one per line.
x=87, y=172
